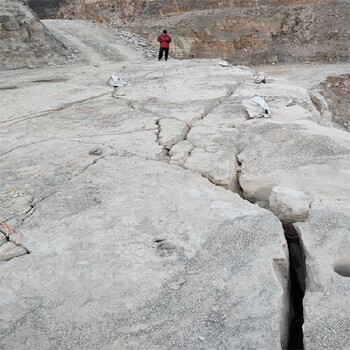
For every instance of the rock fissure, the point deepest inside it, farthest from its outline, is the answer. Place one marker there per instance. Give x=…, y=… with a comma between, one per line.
x=26, y=145
x=10, y=242
x=48, y=112
x=296, y=279
x=297, y=287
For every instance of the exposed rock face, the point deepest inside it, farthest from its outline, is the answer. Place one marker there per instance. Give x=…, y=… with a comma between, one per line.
x=45, y=8
x=23, y=39
x=336, y=93
x=253, y=32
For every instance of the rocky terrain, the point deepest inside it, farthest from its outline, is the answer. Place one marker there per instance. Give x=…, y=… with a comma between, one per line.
x=336, y=91
x=24, y=41
x=157, y=216
x=242, y=32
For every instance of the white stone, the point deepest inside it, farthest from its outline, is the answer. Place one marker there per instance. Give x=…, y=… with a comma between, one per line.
x=289, y=205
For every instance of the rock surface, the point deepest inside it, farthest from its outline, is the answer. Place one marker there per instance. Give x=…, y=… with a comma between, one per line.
x=133, y=248
x=24, y=41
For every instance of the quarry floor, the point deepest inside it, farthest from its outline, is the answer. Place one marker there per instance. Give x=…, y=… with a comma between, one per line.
x=153, y=216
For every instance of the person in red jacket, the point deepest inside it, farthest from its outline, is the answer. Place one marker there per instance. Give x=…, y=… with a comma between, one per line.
x=164, y=39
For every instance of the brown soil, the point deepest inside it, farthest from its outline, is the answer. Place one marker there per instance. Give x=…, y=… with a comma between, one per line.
x=336, y=90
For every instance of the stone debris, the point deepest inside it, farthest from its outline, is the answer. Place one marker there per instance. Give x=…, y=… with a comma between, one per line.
x=10, y=250
x=259, y=79
x=223, y=64
x=96, y=151
x=137, y=42
x=256, y=107
x=116, y=81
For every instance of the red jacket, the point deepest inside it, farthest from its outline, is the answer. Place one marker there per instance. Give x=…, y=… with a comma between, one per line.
x=164, y=40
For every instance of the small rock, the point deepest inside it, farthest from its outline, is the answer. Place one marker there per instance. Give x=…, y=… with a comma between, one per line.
x=181, y=281
x=174, y=286
x=96, y=151
x=201, y=338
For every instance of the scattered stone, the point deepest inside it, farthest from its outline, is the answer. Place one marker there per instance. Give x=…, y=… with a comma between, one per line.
x=96, y=151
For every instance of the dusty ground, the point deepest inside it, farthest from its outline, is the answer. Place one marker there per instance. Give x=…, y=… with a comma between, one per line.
x=133, y=205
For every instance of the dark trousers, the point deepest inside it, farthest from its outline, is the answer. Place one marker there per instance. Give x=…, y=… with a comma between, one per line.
x=166, y=53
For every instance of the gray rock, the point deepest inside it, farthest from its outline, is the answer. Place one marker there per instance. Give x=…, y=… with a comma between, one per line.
x=10, y=250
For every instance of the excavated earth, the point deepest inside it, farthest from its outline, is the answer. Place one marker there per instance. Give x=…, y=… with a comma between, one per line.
x=246, y=32
x=155, y=215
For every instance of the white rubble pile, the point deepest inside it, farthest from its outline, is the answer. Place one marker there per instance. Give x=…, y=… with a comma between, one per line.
x=136, y=42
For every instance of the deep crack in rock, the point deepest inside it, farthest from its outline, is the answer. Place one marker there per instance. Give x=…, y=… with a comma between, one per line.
x=297, y=287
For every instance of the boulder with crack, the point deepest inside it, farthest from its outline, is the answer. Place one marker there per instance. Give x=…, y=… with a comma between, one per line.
x=326, y=240
x=95, y=263
x=172, y=131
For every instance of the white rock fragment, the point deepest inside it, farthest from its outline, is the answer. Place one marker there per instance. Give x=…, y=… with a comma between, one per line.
x=256, y=107
x=95, y=151
x=115, y=80
x=223, y=64
x=289, y=205
x=259, y=78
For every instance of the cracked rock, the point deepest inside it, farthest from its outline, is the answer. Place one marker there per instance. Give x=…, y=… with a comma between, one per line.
x=289, y=205
x=217, y=167
x=172, y=131
x=9, y=251
x=180, y=152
